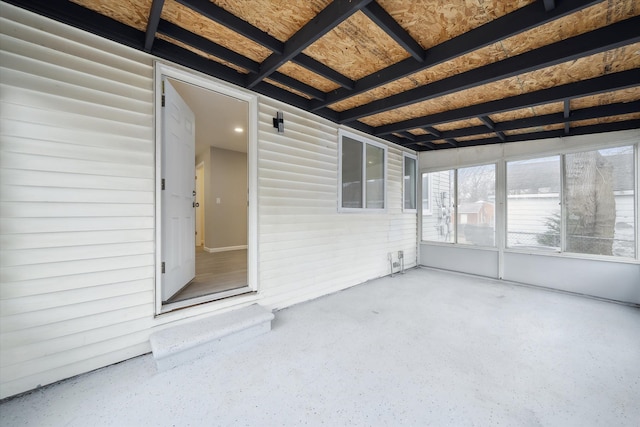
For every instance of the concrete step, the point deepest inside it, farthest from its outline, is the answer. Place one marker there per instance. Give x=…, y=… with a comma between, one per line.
x=189, y=341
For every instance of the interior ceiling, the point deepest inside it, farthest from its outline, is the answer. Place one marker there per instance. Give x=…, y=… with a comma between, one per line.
x=427, y=74
x=216, y=116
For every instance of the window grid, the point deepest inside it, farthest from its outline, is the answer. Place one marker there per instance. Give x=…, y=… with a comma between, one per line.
x=502, y=194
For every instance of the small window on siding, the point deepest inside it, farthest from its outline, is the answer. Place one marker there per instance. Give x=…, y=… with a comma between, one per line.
x=362, y=173
x=409, y=183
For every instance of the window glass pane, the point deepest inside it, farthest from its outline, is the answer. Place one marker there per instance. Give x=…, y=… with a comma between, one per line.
x=533, y=203
x=599, y=202
x=375, y=177
x=437, y=224
x=351, y=173
x=476, y=205
x=409, y=183
x=426, y=194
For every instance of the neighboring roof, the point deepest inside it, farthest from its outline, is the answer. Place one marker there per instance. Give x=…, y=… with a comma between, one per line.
x=426, y=75
x=473, y=208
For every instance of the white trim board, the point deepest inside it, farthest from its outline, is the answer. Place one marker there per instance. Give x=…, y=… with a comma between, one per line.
x=225, y=249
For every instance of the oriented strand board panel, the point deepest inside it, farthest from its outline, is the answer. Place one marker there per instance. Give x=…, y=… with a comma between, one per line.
x=134, y=13
x=535, y=129
x=356, y=48
x=625, y=95
x=459, y=124
x=611, y=119
x=623, y=58
x=431, y=22
x=419, y=132
x=203, y=54
x=279, y=18
x=524, y=113
x=474, y=137
x=475, y=59
x=591, y=18
x=306, y=76
x=280, y=85
x=189, y=20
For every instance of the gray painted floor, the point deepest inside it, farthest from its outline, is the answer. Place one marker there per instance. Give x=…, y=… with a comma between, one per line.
x=426, y=348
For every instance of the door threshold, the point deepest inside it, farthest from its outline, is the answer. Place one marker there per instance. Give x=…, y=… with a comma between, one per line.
x=178, y=305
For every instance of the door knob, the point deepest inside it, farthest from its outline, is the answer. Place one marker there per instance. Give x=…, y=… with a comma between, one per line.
x=196, y=204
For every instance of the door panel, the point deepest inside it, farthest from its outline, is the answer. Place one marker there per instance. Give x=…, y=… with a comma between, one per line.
x=178, y=212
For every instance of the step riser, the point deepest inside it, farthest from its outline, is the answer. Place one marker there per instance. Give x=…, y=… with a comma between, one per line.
x=212, y=347
x=186, y=342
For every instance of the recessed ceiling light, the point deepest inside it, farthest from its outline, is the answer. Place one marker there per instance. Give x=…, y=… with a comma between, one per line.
x=238, y=130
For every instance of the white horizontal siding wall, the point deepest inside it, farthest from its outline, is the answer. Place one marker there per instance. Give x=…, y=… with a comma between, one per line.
x=76, y=201
x=307, y=248
x=77, y=206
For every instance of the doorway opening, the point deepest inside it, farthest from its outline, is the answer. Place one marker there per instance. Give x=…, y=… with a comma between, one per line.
x=205, y=249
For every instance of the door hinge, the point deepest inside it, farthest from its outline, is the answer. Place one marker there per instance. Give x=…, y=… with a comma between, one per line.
x=162, y=184
x=162, y=267
x=162, y=97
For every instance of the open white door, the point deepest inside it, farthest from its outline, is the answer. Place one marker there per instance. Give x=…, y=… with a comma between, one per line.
x=178, y=195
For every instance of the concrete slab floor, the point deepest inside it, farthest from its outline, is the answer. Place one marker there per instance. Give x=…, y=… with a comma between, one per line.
x=426, y=348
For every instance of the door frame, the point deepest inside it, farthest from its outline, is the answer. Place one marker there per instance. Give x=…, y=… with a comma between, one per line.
x=200, y=206
x=209, y=83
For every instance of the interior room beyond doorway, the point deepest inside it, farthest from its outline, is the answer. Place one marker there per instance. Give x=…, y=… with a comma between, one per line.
x=221, y=193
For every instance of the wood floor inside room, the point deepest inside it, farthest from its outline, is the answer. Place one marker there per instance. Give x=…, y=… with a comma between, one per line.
x=215, y=272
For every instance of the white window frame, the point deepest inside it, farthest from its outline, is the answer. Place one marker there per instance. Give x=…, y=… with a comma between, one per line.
x=365, y=141
x=429, y=195
x=406, y=156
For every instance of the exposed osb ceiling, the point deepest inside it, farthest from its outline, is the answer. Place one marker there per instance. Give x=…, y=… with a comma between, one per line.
x=425, y=74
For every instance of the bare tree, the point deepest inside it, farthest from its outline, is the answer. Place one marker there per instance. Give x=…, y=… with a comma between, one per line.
x=590, y=203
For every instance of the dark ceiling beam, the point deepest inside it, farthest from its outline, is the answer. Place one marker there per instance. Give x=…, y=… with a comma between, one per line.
x=152, y=24
x=582, y=130
x=206, y=45
x=487, y=122
x=221, y=16
x=381, y=17
x=322, y=70
x=171, y=52
x=283, y=95
x=322, y=23
x=178, y=33
x=543, y=120
x=433, y=131
x=567, y=113
x=426, y=144
x=492, y=126
x=85, y=19
x=600, y=40
x=549, y=5
x=297, y=85
x=408, y=135
x=506, y=26
x=610, y=82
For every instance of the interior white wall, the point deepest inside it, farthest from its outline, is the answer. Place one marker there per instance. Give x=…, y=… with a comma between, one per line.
x=226, y=199
x=601, y=277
